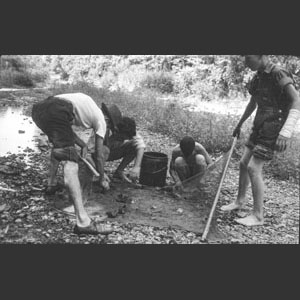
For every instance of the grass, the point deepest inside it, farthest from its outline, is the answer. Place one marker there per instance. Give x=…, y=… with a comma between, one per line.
x=213, y=130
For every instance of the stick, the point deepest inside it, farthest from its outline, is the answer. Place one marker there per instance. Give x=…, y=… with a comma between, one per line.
x=90, y=167
x=6, y=190
x=218, y=193
x=199, y=175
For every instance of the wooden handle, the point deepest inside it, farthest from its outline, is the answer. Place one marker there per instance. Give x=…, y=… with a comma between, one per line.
x=90, y=167
x=218, y=192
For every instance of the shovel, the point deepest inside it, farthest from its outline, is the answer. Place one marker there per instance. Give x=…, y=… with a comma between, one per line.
x=203, y=238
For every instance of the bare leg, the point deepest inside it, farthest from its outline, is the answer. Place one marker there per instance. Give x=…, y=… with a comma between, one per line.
x=73, y=185
x=86, y=180
x=125, y=162
x=53, y=167
x=255, y=172
x=200, y=165
x=182, y=168
x=243, y=183
x=126, y=151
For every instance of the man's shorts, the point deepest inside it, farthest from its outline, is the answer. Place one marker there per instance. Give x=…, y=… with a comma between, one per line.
x=65, y=154
x=53, y=116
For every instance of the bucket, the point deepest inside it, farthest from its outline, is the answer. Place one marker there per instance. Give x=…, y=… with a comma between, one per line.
x=154, y=169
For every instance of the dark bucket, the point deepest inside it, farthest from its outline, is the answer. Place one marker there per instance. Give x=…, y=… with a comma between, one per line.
x=154, y=169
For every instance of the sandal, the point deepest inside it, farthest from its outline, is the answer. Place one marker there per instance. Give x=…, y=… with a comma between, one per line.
x=93, y=229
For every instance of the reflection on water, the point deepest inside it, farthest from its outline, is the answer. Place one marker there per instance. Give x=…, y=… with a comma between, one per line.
x=11, y=121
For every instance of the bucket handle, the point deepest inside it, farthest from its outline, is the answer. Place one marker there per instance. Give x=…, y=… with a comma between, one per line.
x=164, y=168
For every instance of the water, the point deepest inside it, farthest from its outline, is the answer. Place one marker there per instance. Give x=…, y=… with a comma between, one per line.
x=12, y=120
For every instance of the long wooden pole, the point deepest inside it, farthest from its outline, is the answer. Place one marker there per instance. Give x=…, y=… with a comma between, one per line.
x=90, y=167
x=206, y=230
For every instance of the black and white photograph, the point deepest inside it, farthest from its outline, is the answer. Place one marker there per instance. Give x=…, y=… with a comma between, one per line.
x=149, y=149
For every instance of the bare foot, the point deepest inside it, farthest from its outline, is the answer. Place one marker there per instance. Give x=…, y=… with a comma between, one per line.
x=231, y=206
x=70, y=209
x=250, y=221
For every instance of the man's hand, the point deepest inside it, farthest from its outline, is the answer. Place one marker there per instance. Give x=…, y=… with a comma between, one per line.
x=178, y=186
x=237, y=132
x=281, y=143
x=104, y=184
x=134, y=173
x=210, y=165
x=84, y=151
x=106, y=178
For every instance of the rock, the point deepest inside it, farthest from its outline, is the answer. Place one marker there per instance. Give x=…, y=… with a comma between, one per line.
x=235, y=241
x=21, y=131
x=179, y=210
x=2, y=207
x=196, y=241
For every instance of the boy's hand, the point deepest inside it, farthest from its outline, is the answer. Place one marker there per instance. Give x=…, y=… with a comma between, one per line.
x=237, y=132
x=134, y=173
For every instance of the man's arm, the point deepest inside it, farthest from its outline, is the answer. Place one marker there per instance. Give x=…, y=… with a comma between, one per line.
x=292, y=119
x=247, y=113
x=99, y=161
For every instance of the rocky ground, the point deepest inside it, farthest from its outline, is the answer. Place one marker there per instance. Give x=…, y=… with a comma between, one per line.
x=26, y=216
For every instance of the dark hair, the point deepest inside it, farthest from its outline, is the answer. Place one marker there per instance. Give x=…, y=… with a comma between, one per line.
x=187, y=145
x=127, y=127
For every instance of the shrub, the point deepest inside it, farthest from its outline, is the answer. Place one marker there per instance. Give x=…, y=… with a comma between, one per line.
x=15, y=78
x=39, y=77
x=159, y=81
x=23, y=79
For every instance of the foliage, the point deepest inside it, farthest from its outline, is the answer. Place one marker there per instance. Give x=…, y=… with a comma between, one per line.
x=208, y=76
x=18, y=71
x=160, y=81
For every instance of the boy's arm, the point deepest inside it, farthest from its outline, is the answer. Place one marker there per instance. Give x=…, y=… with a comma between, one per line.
x=201, y=150
x=172, y=170
x=135, y=171
x=140, y=149
x=247, y=113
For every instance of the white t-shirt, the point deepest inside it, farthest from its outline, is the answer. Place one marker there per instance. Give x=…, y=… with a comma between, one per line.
x=87, y=113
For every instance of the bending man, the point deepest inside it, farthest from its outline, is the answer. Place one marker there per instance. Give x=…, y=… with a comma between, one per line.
x=54, y=117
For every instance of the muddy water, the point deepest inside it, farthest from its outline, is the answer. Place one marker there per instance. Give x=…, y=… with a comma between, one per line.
x=17, y=131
